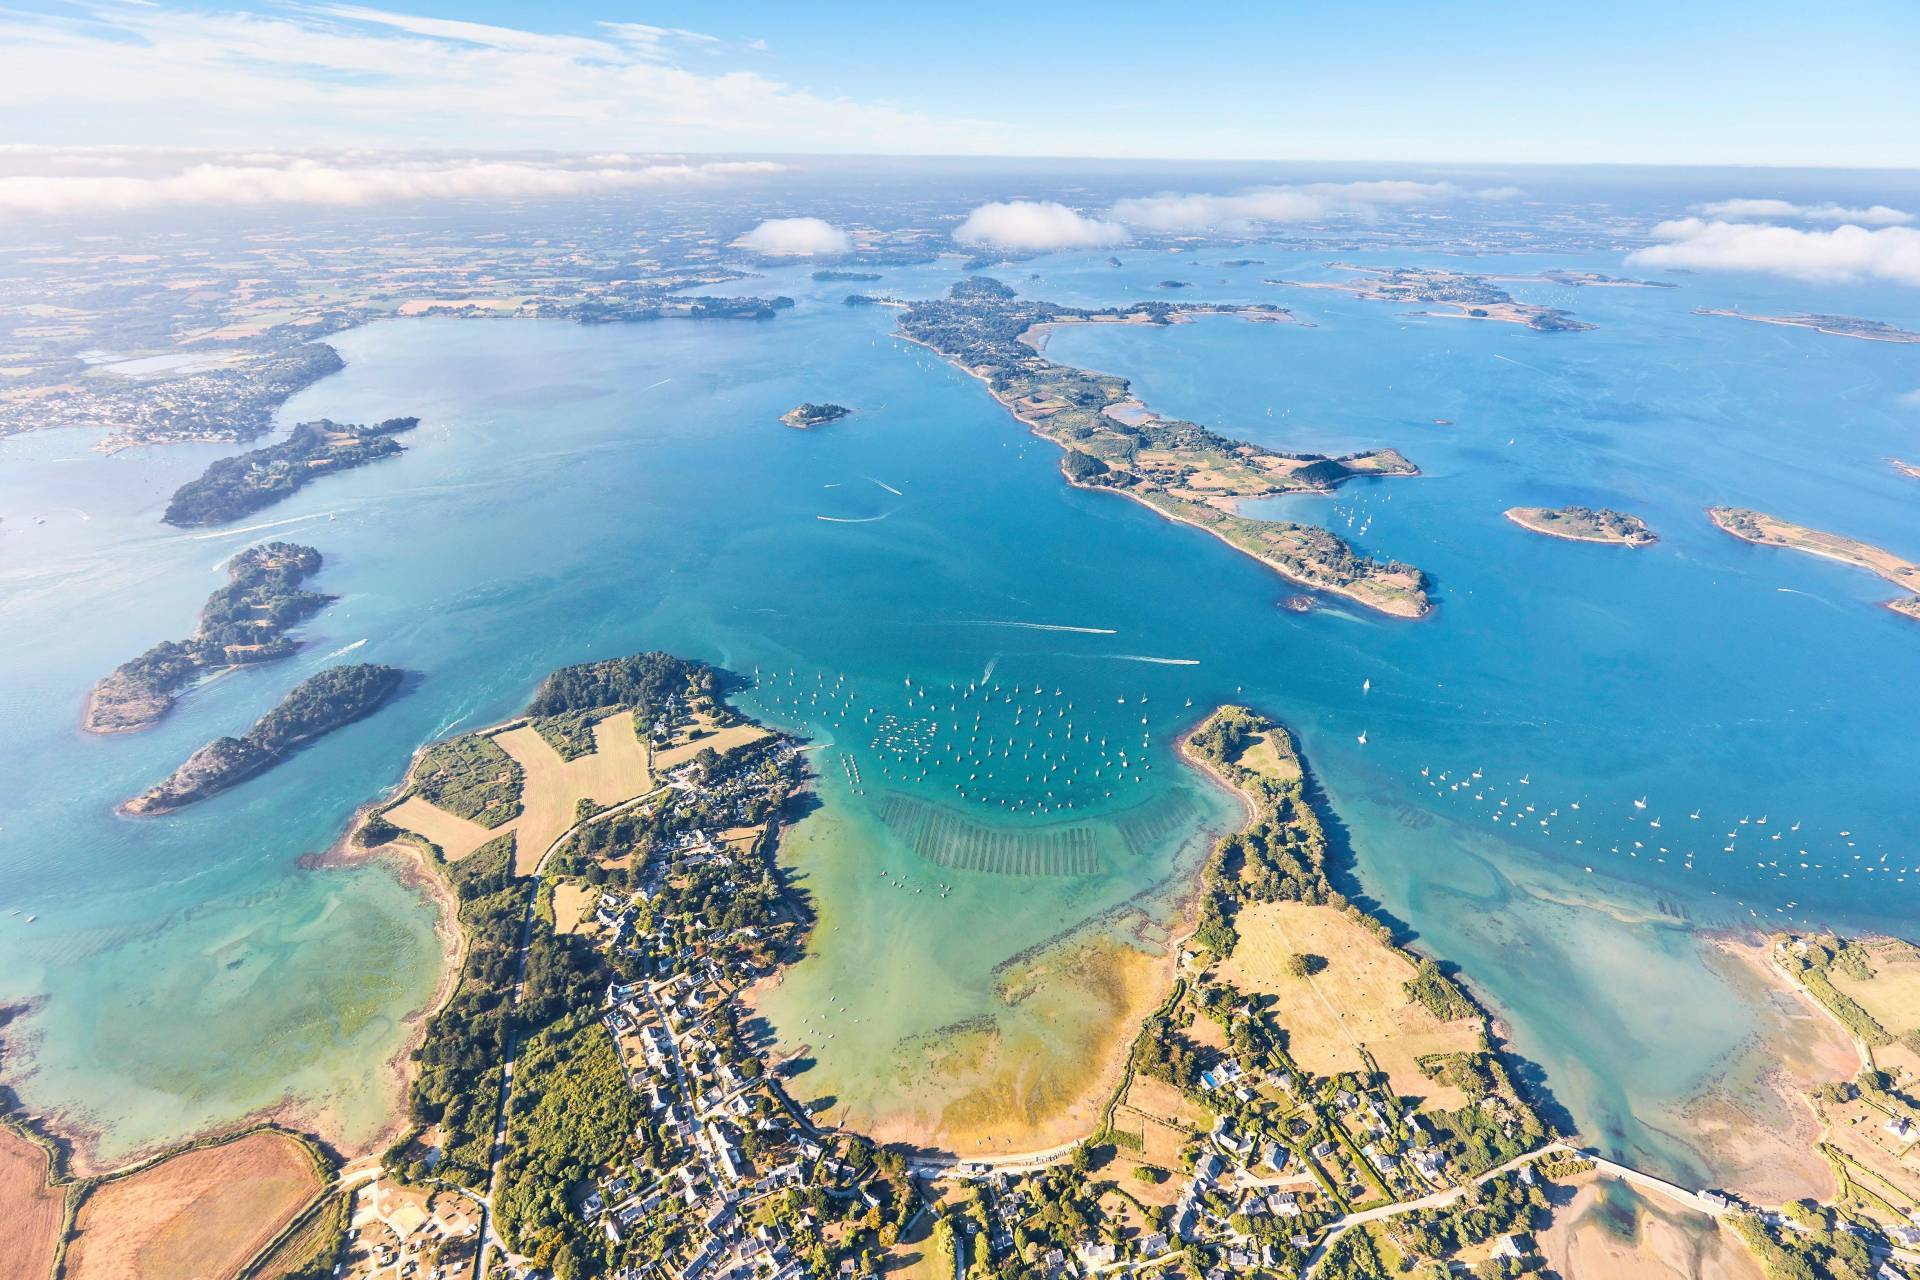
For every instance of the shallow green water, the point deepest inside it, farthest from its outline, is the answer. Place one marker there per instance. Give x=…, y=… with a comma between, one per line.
x=579, y=492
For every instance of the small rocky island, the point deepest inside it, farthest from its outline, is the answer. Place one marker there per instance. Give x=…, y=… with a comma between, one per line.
x=803, y=417
x=316, y=706
x=837, y=273
x=1585, y=524
x=242, y=623
x=236, y=486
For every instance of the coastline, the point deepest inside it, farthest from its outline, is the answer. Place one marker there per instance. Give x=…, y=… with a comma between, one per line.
x=1787, y=536
x=1033, y=428
x=1519, y=515
x=79, y=1139
x=1108, y=942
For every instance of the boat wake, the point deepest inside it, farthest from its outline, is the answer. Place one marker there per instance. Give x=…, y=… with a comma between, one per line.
x=1161, y=662
x=854, y=519
x=884, y=485
x=255, y=528
x=344, y=649
x=1041, y=626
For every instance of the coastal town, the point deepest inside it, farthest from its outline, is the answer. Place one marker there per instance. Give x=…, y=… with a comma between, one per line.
x=598, y=1097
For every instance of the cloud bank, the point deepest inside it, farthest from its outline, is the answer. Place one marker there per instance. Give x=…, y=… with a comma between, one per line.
x=1309, y=202
x=795, y=237
x=1036, y=226
x=269, y=180
x=1845, y=253
x=1878, y=215
x=319, y=75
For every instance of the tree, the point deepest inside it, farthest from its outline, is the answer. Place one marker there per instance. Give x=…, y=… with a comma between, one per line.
x=1303, y=964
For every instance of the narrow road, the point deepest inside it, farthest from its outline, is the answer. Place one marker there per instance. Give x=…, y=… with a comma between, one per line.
x=498, y=1152
x=1692, y=1200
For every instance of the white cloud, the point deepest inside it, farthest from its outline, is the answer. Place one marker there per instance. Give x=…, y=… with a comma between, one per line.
x=1036, y=225
x=1310, y=202
x=336, y=75
x=1878, y=215
x=795, y=237
x=1842, y=254
x=1911, y=399
x=264, y=180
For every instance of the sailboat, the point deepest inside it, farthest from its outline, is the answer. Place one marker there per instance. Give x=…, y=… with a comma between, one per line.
x=1363, y=737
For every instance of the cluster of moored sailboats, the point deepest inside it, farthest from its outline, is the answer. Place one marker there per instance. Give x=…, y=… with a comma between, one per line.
x=1021, y=748
x=1773, y=848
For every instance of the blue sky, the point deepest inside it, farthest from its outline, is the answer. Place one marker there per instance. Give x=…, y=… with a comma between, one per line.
x=1750, y=83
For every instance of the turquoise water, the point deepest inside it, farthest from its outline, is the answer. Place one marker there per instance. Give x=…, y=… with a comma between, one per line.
x=576, y=492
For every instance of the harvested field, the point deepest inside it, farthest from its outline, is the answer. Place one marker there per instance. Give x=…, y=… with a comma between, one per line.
x=201, y=1214
x=1358, y=1000
x=1892, y=994
x=456, y=836
x=721, y=740
x=555, y=787
x=30, y=1210
x=573, y=906
x=548, y=788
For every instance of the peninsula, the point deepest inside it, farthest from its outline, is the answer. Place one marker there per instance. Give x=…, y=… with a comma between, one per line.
x=1180, y=469
x=803, y=417
x=1473, y=296
x=1771, y=531
x=243, y=623
x=1838, y=326
x=317, y=705
x=233, y=487
x=1585, y=524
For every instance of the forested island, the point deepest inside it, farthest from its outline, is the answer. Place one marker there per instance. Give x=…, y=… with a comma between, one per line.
x=233, y=487
x=1473, y=296
x=803, y=417
x=1771, y=531
x=1585, y=524
x=836, y=273
x=242, y=623
x=317, y=705
x=1180, y=469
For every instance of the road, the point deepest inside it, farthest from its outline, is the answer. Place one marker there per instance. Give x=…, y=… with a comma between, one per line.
x=488, y=1232
x=1672, y=1191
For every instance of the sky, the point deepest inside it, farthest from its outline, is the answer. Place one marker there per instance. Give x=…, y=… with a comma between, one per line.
x=1751, y=83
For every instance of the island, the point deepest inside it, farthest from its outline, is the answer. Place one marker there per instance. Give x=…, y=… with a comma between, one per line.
x=236, y=486
x=1838, y=326
x=803, y=417
x=838, y=273
x=1585, y=524
x=316, y=706
x=1473, y=296
x=1905, y=468
x=243, y=623
x=1771, y=531
x=1183, y=471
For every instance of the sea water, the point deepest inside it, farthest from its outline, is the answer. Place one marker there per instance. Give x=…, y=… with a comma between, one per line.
x=577, y=492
